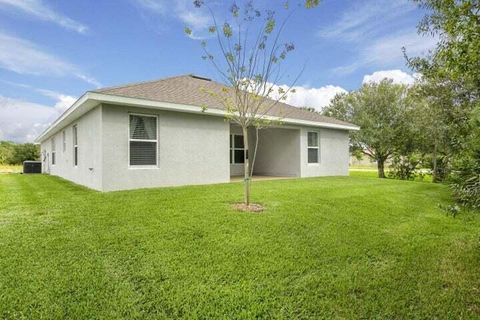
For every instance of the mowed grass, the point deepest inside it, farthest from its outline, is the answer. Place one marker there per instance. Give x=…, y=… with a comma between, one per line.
x=373, y=173
x=6, y=168
x=339, y=247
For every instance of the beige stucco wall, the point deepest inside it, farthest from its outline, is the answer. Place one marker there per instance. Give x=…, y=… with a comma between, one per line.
x=278, y=152
x=282, y=151
x=88, y=172
x=334, y=153
x=192, y=149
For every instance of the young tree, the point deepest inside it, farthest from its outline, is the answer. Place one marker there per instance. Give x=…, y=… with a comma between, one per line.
x=380, y=111
x=249, y=56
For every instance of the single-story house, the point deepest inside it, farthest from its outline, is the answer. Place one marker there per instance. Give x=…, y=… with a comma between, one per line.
x=171, y=132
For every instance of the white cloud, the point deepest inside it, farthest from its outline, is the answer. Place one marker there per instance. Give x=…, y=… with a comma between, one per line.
x=388, y=49
x=303, y=96
x=63, y=101
x=183, y=10
x=366, y=19
x=397, y=76
x=376, y=30
x=157, y=6
x=88, y=79
x=23, y=121
x=24, y=57
x=387, y=52
x=41, y=11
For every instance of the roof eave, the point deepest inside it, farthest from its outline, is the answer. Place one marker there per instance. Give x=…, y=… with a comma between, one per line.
x=91, y=99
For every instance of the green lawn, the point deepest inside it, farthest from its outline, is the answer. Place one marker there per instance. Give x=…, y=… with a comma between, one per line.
x=342, y=247
x=6, y=168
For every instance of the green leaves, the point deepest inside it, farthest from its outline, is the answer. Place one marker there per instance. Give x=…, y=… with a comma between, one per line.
x=227, y=30
x=451, y=89
x=234, y=9
x=270, y=25
x=309, y=4
x=12, y=153
x=188, y=31
x=380, y=111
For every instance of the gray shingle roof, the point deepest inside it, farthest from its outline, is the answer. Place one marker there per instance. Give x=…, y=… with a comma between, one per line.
x=190, y=90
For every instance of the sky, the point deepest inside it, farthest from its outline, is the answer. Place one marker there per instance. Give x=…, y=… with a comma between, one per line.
x=51, y=52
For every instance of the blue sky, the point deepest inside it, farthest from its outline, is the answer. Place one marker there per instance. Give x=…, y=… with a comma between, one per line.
x=51, y=52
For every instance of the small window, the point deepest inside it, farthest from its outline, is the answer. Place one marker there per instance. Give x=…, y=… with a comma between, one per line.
x=64, y=141
x=313, y=147
x=53, y=152
x=143, y=140
x=75, y=145
x=237, y=149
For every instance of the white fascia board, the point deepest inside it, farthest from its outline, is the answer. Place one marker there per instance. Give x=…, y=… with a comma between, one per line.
x=91, y=99
x=114, y=99
x=314, y=123
x=69, y=113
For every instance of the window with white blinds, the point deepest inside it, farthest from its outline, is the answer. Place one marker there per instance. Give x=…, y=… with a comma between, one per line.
x=143, y=140
x=313, y=147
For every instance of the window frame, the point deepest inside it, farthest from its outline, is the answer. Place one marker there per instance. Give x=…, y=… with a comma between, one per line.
x=64, y=141
x=75, y=145
x=53, y=151
x=317, y=147
x=150, y=166
x=232, y=149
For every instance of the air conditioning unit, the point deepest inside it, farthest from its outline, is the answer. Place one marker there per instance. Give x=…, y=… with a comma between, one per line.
x=32, y=167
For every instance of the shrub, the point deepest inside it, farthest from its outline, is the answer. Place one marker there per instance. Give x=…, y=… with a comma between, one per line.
x=467, y=192
x=465, y=181
x=406, y=167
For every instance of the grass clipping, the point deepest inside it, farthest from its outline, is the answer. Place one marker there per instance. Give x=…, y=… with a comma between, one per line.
x=252, y=207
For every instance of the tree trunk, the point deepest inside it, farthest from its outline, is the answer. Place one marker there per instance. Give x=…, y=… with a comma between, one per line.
x=435, y=166
x=381, y=167
x=246, y=165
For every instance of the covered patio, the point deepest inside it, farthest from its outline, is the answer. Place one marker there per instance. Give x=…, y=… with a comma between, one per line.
x=277, y=156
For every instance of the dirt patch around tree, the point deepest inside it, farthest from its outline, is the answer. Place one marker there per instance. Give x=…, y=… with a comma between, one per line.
x=252, y=207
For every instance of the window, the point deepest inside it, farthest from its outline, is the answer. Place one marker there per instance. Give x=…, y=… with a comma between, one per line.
x=313, y=147
x=75, y=145
x=64, y=141
x=53, y=151
x=237, y=149
x=143, y=140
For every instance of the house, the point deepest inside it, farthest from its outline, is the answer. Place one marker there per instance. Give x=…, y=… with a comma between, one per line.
x=158, y=133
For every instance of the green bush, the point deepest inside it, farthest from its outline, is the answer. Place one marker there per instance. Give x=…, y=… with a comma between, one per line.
x=406, y=167
x=466, y=180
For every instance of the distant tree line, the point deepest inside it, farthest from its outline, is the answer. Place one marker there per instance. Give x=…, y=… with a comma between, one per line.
x=15, y=153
